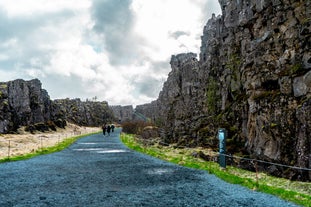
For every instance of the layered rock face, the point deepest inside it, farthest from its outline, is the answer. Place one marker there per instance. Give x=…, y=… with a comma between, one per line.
x=86, y=113
x=123, y=113
x=24, y=103
x=253, y=78
x=148, y=111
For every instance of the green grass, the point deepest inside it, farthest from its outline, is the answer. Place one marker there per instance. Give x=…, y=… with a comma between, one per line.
x=293, y=191
x=46, y=150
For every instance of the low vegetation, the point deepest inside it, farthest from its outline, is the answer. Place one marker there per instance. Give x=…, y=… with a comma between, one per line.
x=293, y=191
x=46, y=150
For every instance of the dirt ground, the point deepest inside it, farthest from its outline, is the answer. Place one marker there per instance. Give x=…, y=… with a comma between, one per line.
x=25, y=142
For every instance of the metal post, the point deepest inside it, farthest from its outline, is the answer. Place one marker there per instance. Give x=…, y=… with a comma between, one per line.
x=222, y=135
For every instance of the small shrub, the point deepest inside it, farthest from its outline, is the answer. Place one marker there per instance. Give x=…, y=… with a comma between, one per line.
x=51, y=125
x=60, y=123
x=42, y=127
x=30, y=128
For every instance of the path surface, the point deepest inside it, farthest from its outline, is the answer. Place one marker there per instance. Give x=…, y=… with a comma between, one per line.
x=101, y=171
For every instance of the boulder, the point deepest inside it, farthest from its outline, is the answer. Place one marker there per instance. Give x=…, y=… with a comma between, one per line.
x=149, y=132
x=302, y=85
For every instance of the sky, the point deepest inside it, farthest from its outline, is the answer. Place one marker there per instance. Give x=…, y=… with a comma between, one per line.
x=106, y=50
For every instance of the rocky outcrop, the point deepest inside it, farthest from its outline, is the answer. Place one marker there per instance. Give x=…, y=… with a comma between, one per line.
x=86, y=113
x=252, y=78
x=149, y=132
x=25, y=103
x=147, y=111
x=123, y=113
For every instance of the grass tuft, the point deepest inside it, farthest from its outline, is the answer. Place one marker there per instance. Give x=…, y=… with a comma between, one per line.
x=293, y=191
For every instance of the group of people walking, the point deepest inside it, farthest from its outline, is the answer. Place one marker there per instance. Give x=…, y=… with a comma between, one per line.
x=107, y=128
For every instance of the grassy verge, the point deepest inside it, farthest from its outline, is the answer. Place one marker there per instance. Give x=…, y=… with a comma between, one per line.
x=46, y=150
x=293, y=191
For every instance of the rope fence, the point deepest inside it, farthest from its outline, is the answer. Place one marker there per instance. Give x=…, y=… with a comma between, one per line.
x=265, y=162
x=214, y=157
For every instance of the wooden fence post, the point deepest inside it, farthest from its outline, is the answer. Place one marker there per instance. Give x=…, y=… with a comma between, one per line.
x=9, y=149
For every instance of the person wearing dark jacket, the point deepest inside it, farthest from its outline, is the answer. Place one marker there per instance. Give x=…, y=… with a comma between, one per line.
x=104, y=129
x=108, y=129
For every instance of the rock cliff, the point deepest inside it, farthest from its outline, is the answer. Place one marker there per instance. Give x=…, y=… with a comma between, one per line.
x=123, y=113
x=25, y=103
x=85, y=113
x=253, y=77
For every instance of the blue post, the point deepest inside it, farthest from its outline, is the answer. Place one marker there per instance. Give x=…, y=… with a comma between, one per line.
x=222, y=135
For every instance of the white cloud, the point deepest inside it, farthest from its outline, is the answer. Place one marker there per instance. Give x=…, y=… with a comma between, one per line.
x=157, y=20
x=9, y=43
x=3, y=57
x=15, y=8
x=7, y=75
x=118, y=51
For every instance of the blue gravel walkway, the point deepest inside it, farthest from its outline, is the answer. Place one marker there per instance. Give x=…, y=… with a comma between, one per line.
x=101, y=171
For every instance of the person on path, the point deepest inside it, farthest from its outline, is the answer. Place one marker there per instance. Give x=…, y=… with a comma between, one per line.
x=104, y=129
x=108, y=130
x=112, y=128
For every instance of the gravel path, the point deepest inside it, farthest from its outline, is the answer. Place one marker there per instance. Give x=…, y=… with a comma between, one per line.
x=101, y=171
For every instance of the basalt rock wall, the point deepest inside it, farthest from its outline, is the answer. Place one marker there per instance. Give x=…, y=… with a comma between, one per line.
x=85, y=113
x=253, y=77
x=123, y=113
x=25, y=103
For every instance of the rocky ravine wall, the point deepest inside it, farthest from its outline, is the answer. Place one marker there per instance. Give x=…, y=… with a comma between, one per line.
x=253, y=77
x=122, y=113
x=85, y=113
x=25, y=103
